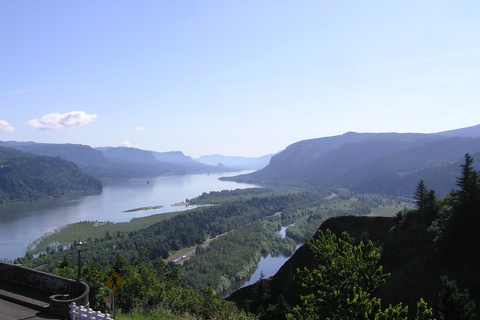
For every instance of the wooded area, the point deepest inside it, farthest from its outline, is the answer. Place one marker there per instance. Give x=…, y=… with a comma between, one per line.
x=26, y=177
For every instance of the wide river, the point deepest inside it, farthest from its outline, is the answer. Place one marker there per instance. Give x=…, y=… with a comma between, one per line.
x=22, y=224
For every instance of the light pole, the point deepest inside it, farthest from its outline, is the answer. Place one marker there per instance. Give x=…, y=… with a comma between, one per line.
x=79, y=249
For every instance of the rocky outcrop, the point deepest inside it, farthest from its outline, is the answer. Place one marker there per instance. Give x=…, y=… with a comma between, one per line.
x=359, y=227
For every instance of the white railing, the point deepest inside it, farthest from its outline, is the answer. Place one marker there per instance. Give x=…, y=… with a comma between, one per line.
x=83, y=313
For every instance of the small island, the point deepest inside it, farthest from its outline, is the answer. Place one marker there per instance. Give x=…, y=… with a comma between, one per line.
x=144, y=208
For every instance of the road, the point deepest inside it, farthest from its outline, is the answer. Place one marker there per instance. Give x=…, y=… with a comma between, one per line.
x=187, y=254
x=13, y=311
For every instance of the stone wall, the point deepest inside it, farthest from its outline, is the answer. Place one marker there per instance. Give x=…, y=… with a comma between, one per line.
x=63, y=291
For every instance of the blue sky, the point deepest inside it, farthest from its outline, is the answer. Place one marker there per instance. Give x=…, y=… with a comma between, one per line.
x=243, y=78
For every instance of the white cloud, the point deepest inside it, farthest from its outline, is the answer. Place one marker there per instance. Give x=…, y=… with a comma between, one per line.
x=126, y=144
x=62, y=121
x=5, y=126
x=140, y=129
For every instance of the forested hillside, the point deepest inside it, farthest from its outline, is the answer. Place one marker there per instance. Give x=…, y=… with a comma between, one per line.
x=387, y=163
x=427, y=255
x=227, y=239
x=116, y=163
x=28, y=177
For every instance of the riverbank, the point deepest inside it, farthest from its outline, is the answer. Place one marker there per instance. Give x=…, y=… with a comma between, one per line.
x=62, y=237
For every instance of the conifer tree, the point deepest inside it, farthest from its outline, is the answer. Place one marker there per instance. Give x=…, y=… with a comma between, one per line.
x=468, y=184
x=420, y=195
x=455, y=305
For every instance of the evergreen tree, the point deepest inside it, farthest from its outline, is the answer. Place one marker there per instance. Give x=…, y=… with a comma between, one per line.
x=424, y=198
x=455, y=305
x=468, y=184
x=420, y=195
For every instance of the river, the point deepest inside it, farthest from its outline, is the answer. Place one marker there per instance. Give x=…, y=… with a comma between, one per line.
x=266, y=267
x=21, y=224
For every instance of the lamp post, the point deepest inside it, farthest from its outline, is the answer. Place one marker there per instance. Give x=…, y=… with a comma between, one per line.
x=79, y=249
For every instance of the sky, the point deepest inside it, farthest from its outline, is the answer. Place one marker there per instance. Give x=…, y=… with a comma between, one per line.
x=237, y=78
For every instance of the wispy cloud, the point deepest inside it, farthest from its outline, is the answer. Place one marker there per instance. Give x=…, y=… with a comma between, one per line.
x=32, y=90
x=6, y=127
x=62, y=121
x=256, y=93
x=140, y=129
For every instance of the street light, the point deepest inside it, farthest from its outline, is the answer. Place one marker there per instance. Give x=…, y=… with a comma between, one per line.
x=79, y=249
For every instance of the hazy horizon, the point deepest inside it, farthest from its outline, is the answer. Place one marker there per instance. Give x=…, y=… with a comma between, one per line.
x=234, y=78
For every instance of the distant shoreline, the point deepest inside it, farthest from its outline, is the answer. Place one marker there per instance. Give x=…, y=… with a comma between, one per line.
x=181, y=204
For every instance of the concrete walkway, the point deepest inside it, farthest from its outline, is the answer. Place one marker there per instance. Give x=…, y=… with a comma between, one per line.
x=20, y=302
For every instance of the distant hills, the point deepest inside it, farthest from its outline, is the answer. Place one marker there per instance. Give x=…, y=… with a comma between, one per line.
x=117, y=163
x=239, y=163
x=386, y=163
x=26, y=177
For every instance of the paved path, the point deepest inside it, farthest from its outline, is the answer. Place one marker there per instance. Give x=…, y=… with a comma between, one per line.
x=19, y=302
x=13, y=311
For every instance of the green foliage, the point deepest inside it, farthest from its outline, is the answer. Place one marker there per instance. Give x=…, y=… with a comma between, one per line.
x=232, y=257
x=66, y=270
x=459, y=218
x=193, y=227
x=341, y=286
x=224, y=196
x=95, y=230
x=424, y=198
x=468, y=183
x=95, y=276
x=455, y=305
x=152, y=290
x=307, y=219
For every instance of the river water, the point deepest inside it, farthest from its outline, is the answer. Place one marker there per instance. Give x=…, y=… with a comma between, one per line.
x=22, y=224
x=269, y=265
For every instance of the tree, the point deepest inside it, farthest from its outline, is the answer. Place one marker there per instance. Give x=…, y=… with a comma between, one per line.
x=455, y=305
x=95, y=277
x=341, y=285
x=468, y=183
x=462, y=223
x=424, y=198
x=66, y=269
x=420, y=195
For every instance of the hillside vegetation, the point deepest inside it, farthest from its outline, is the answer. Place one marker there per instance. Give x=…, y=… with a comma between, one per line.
x=385, y=163
x=417, y=263
x=28, y=177
x=238, y=232
x=429, y=255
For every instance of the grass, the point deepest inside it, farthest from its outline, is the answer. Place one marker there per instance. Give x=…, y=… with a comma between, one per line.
x=156, y=316
x=93, y=229
x=389, y=211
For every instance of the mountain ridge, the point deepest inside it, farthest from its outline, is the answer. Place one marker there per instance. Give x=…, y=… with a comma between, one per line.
x=390, y=161
x=116, y=162
x=236, y=162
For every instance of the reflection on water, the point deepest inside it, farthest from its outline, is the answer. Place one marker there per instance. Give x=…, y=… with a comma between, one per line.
x=268, y=266
x=21, y=224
